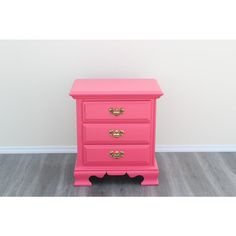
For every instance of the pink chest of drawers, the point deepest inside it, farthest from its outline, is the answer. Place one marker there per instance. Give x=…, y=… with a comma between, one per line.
x=116, y=128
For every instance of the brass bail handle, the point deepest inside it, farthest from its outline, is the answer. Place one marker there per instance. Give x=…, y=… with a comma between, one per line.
x=116, y=133
x=117, y=154
x=116, y=111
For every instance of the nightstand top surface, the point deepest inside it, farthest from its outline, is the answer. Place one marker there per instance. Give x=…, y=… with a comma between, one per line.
x=110, y=87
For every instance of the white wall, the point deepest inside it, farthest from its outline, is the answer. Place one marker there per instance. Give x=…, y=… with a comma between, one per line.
x=197, y=77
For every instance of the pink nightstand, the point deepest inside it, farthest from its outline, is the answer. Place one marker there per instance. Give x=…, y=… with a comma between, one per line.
x=116, y=128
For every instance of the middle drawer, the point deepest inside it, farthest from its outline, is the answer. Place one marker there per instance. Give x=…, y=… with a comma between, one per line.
x=116, y=133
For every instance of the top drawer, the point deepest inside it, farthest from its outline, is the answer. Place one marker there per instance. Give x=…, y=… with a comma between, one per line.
x=117, y=111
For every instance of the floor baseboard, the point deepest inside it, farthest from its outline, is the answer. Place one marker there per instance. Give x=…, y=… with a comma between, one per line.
x=195, y=148
x=159, y=148
x=38, y=149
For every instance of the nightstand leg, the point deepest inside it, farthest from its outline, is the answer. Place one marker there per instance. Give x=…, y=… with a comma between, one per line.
x=81, y=179
x=150, y=178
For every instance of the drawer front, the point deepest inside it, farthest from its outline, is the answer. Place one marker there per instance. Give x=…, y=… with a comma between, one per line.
x=116, y=133
x=117, y=111
x=116, y=155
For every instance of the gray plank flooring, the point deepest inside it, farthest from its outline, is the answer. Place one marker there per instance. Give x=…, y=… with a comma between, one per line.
x=181, y=174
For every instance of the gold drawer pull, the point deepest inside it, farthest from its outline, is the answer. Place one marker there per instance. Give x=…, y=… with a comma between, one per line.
x=116, y=154
x=116, y=111
x=116, y=133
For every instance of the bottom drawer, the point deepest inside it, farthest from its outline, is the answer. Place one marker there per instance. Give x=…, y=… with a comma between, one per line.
x=116, y=155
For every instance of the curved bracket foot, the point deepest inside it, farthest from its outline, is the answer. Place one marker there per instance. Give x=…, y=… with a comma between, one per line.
x=149, y=177
x=81, y=178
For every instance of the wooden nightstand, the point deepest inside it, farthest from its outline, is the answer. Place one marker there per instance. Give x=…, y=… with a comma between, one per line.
x=116, y=128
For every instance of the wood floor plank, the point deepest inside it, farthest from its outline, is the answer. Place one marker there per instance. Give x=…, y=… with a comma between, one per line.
x=181, y=174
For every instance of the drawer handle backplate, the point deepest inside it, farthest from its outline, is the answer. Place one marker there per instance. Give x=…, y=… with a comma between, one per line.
x=116, y=133
x=116, y=111
x=117, y=154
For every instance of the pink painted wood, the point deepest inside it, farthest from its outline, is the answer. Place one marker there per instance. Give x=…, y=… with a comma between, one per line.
x=98, y=111
x=132, y=133
x=99, y=155
x=134, y=128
